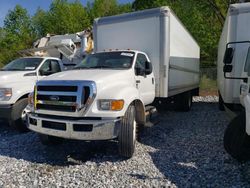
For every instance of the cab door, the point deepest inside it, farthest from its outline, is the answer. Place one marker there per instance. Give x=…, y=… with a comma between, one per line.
x=245, y=90
x=144, y=78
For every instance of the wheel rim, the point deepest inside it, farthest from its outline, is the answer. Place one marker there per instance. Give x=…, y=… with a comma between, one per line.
x=134, y=132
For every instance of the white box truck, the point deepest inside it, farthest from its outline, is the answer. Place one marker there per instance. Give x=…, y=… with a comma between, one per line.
x=139, y=57
x=233, y=79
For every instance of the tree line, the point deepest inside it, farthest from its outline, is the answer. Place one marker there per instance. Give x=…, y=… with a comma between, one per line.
x=204, y=19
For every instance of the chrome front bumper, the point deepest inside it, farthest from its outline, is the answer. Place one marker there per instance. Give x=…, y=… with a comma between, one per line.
x=75, y=129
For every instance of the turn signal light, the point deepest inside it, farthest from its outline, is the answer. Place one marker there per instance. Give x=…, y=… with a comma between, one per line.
x=117, y=105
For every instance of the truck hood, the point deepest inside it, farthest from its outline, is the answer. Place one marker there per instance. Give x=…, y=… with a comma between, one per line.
x=12, y=76
x=96, y=75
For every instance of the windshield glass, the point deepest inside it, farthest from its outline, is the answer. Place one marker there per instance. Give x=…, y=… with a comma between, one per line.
x=108, y=60
x=23, y=64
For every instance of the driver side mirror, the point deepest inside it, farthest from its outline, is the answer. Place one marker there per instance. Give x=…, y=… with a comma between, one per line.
x=149, y=68
x=228, y=57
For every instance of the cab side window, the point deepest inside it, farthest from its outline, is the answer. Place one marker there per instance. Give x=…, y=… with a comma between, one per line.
x=49, y=67
x=142, y=66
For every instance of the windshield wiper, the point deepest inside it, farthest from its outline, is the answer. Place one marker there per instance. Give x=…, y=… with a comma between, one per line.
x=101, y=67
x=79, y=68
x=94, y=67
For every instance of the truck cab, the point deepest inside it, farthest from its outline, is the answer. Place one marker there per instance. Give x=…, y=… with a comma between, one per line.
x=18, y=79
x=95, y=101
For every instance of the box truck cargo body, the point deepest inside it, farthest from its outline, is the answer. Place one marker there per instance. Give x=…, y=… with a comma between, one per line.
x=236, y=34
x=139, y=57
x=158, y=32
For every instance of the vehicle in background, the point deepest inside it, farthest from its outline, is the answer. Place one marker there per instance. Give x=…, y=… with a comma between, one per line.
x=233, y=79
x=110, y=93
x=70, y=48
x=18, y=79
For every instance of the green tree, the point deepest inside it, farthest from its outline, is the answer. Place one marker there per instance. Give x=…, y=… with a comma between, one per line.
x=16, y=34
x=40, y=22
x=100, y=8
x=63, y=17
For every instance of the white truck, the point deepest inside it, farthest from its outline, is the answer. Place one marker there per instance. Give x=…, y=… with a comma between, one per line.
x=18, y=79
x=139, y=58
x=233, y=79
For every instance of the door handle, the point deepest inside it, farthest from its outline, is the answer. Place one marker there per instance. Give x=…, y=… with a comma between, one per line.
x=138, y=81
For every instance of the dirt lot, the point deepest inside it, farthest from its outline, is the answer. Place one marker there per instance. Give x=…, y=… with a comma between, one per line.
x=184, y=150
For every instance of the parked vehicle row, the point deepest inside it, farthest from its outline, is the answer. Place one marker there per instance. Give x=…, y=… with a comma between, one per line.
x=151, y=60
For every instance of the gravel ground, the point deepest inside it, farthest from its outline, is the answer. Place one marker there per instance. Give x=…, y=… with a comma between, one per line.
x=182, y=150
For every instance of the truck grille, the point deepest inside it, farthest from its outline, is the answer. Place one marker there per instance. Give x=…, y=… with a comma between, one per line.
x=70, y=98
x=57, y=88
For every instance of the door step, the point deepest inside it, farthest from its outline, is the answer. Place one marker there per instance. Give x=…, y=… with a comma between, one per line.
x=152, y=116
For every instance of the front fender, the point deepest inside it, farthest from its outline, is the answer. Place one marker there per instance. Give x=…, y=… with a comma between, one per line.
x=128, y=94
x=18, y=90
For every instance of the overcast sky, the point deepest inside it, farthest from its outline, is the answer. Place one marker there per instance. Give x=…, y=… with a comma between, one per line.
x=31, y=6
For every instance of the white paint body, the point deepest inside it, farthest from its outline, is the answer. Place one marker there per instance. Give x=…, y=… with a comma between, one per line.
x=160, y=37
x=236, y=28
x=21, y=84
x=157, y=32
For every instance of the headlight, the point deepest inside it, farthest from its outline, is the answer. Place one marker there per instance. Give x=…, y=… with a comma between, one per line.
x=31, y=99
x=5, y=94
x=112, y=105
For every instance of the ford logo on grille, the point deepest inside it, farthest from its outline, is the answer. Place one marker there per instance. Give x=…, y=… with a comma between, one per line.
x=54, y=98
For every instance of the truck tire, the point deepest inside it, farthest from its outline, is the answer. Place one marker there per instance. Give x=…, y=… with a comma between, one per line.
x=221, y=103
x=236, y=140
x=184, y=101
x=18, y=116
x=50, y=140
x=127, y=134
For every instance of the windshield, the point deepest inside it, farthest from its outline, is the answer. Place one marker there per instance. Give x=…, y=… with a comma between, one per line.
x=108, y=60
x=23, y=64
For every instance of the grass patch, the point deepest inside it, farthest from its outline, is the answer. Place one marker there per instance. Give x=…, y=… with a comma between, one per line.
x=208, y=86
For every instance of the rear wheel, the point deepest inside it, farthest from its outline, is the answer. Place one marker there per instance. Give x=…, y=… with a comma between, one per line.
x=127, y=134
x=19, y=116
x=236, y=140
x=50, y=140
x=184, y=101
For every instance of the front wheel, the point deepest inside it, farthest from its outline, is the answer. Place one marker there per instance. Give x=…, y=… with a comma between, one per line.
x=236, y=140
x=127, y=134
x=19, y=116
